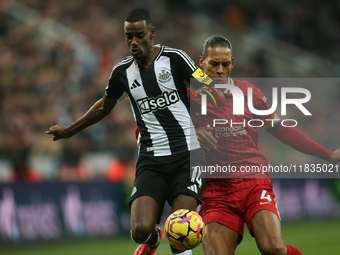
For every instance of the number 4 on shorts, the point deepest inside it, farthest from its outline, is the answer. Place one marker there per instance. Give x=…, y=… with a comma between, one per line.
x=263, y=196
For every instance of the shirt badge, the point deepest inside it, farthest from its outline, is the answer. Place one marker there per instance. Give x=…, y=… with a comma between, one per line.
x=164, y=76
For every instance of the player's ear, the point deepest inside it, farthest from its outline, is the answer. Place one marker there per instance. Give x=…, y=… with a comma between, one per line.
x=201, y=61
x=232, y=62
x=152, y=32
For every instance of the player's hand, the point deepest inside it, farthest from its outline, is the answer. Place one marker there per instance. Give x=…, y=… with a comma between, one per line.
x=335, y=156
x=205, y=137
x=58, y=132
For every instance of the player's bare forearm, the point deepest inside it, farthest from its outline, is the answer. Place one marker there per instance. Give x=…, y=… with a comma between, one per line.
x=96, y=113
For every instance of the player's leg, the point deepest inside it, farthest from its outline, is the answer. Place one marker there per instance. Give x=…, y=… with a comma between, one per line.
x=263, y=221
x=224, y=221
x=147, y=202
x=266, y=229
x=144, y=213
x=184, y=202
x=220, y=240
x=267, y=233
x=185, y=190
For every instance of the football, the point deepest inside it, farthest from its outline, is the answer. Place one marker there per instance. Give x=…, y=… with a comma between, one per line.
x=184, y=229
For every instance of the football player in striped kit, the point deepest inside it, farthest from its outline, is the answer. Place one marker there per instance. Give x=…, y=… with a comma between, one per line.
x=153, y=78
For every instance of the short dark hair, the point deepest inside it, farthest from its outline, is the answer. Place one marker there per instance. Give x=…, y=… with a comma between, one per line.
x=139, y=14
x=215, y=41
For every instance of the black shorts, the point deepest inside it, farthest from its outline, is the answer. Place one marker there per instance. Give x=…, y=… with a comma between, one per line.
x=164, y=178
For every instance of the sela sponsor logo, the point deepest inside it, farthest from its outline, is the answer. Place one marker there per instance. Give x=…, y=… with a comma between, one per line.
x=164, y=76
x=166, y=99
x=238, y=100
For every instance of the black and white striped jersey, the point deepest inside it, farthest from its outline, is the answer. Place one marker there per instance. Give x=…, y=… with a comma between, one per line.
x=159, y=100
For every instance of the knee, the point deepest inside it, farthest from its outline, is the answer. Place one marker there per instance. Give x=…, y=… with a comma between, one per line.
x=216, y=244
x=141, y=231
x=273, y=249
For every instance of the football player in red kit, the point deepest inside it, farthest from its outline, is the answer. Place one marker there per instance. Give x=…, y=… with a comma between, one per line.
x=228, y=203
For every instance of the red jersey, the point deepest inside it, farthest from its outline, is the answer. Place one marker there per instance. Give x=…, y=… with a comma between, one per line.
x=237, y=140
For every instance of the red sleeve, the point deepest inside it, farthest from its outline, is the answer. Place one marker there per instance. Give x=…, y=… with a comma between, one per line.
x=299, y=141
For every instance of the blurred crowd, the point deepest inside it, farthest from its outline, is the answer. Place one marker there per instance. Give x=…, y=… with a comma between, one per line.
x=45, y=80
x=309, y=24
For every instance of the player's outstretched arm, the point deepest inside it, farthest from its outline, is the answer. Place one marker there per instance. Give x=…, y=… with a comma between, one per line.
x=206, y=139
x=98, y=111
x=299, y=141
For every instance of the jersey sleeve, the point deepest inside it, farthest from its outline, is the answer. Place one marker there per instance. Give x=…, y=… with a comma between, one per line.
x=114, y=88
x=185, y=65
x=300, y=142
x=288, y=135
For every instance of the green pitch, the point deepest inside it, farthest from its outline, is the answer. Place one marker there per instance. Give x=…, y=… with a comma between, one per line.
x=311, y=237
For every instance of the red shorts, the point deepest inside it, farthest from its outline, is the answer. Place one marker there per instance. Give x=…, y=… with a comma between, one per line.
x=234, y=209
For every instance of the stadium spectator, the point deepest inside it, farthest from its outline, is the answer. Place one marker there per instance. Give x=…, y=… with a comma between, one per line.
x=233, y=199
